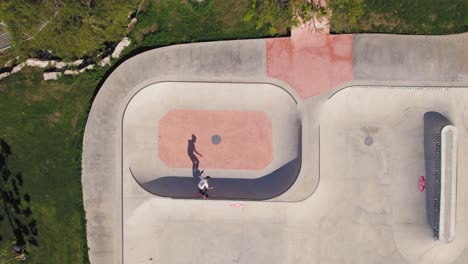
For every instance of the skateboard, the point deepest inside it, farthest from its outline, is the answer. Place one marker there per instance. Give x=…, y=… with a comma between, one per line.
x=202, y=196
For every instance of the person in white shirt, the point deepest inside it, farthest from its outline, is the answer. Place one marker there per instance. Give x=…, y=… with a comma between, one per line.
x=203, y=186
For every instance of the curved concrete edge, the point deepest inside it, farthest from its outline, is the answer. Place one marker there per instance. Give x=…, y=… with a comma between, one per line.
x=101, y=163
x=155, y=102
x=396, y=84
x=309, y=171
x=448, y=181
x=226, y=61
x=259, y=189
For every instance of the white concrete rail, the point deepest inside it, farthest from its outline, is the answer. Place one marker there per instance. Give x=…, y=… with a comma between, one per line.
x=448, y=180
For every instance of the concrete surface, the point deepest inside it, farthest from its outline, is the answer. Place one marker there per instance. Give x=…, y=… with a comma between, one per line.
x=410, y=58
x=383, y=177
x=366, y=208
x=278, y=157
x=311, y=62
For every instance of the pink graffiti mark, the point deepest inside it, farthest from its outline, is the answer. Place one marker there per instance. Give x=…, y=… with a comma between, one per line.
x=422, y=184
x=237, y=205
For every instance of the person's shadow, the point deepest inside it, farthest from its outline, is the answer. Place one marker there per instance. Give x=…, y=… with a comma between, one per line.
x=191, y=151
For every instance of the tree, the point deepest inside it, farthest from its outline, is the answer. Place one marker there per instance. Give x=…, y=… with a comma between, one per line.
x=346, y=13
x=283, y=14
x=274, y=14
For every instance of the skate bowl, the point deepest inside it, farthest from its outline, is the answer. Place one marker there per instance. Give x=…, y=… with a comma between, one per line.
x=248, y=134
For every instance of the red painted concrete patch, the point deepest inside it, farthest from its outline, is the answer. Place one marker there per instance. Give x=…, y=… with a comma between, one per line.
x=246, y=139
x=311, y=62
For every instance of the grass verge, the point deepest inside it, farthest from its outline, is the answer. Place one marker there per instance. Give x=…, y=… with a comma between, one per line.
x=43, y=122
x=165, y=22
x=428, y=17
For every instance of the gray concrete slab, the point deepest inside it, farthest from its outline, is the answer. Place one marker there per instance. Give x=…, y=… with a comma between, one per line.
x=410, y=58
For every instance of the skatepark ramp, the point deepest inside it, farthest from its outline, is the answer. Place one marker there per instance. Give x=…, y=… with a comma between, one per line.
x=440, y=150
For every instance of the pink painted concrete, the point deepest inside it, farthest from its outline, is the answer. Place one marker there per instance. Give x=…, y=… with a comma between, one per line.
x=246, y=139
x=311, y=62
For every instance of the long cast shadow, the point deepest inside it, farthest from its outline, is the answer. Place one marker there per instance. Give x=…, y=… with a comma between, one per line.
x=263, y=188
x=191, y=151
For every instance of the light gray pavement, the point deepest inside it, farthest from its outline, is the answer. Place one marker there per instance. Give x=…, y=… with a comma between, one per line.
x=383, y=177
x=365, y=209
x=410, y=58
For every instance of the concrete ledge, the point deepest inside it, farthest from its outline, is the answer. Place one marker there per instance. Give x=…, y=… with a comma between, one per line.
x=448, y=179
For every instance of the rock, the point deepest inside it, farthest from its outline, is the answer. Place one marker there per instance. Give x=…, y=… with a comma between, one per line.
x=18, y=67
x=132, y=23
x=89, y=67
x=71, y=72
x=120, y=47
x=52, y=75
x=57, y=64
x=75, y=63
x=105, y=61
x=4, y=75
x=60, y=64
x=37, y=63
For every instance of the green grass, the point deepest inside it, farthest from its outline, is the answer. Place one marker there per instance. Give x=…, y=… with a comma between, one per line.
x=176, y=21
x=405, y=17
x=75, y=29
x=466, y=18
x=43, y=122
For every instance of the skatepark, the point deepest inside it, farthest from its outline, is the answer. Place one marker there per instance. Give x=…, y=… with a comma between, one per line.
x=315, y=144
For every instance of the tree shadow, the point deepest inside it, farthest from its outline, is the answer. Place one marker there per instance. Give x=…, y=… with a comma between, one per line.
x=15, y=207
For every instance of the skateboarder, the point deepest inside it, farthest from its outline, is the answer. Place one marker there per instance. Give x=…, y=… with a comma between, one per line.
x=203, y=186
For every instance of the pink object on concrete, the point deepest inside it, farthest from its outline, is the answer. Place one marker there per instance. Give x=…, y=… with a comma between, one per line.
x=246, y=139
x=311, y=62
x=422, y=184
x=237, y=205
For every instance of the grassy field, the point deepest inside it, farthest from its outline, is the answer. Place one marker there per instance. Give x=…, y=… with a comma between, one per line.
x=43, y=123
x=400, y=16
x=67, y=28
